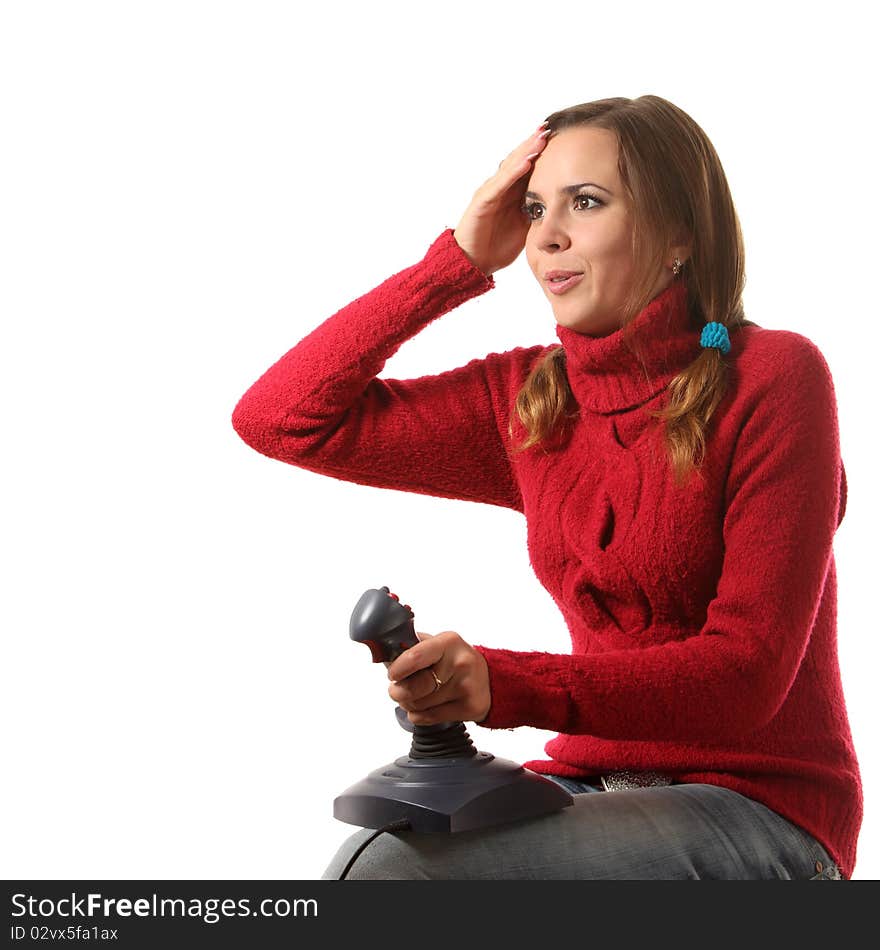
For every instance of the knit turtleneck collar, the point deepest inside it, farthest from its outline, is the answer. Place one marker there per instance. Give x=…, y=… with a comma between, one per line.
x=606, y=375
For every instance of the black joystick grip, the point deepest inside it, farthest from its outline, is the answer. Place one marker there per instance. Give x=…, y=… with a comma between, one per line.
x=384, y=624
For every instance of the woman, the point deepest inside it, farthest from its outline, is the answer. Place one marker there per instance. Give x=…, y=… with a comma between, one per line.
x=679, y=469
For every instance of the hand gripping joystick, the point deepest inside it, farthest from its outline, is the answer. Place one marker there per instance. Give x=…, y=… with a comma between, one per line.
x=444, y=784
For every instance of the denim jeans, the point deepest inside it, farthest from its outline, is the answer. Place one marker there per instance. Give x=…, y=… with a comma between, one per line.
x=674, y=832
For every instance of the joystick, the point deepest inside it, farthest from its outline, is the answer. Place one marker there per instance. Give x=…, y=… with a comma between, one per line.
x=445, y=783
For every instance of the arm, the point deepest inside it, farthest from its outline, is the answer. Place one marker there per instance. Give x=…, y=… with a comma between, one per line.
x=785, y=496
x=321, y=407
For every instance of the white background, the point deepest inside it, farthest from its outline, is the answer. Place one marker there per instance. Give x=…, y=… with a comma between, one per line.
x=187, y=190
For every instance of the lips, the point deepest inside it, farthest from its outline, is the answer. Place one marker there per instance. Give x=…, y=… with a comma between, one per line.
x=561, y=273
x=571, y=279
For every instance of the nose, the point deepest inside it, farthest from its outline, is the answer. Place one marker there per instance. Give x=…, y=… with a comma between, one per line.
x=552, y=230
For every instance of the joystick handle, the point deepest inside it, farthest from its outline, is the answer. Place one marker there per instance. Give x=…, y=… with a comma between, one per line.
x=384, y=624
x=381, y=621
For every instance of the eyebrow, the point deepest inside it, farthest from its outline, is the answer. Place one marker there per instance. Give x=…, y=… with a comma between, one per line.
x=571, y=189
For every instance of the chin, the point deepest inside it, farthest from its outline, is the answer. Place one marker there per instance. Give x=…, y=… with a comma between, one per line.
x=574, y=321
x=590, y=324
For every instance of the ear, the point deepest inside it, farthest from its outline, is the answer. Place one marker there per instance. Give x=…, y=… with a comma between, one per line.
x=683, y=249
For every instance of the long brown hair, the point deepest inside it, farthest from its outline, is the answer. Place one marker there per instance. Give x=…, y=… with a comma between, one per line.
x=675, y=184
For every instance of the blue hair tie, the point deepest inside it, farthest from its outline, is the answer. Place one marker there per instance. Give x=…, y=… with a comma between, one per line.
x=715, y=334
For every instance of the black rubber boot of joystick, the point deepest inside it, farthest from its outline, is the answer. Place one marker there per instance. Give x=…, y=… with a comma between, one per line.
x=449, y=740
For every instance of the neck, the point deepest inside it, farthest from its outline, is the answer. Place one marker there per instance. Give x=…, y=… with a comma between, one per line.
x=630, y=366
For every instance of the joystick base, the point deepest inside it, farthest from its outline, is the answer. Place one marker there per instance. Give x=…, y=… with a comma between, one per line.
x=449, y=794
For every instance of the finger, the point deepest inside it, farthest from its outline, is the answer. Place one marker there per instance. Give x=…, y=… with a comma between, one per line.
x=527, y=149
x=427, y=694
x=418, y=691
x=423, y=654
x=453, y=711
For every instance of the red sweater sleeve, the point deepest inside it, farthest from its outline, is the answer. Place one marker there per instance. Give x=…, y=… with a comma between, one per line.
x=321, y=407
x=785, y=497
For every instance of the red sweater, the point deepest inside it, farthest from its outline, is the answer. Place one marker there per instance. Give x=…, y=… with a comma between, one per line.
x=702, y=618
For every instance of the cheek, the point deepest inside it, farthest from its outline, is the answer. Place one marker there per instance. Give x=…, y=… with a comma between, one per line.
x=606, y=249
x=620, y=236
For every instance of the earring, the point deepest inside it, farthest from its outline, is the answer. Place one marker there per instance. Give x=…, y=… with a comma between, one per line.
x=676, y=267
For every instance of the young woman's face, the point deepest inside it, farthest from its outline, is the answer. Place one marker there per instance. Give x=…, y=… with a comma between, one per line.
x=580, y=221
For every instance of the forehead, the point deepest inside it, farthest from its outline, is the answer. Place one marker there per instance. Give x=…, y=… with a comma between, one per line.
x=573, y=155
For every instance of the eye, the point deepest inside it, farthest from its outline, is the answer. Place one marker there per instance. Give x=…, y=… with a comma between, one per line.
x=529, y=206
x=587, y=197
